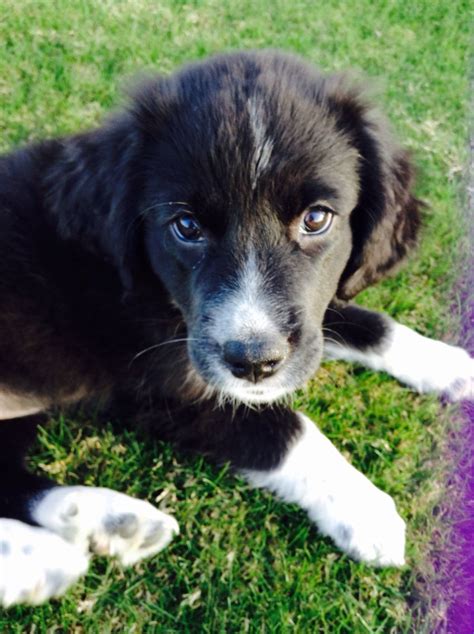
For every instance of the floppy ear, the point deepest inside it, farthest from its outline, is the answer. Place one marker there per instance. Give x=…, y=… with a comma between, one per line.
x=93, y=190
x=96, y=186
x=386, y=219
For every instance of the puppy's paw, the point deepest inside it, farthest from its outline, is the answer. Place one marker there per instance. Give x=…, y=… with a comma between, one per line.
x=106, y=522
x=375, y=534
x=35, y=564
x=365, y=524
x=460, y=376
x=430, y=366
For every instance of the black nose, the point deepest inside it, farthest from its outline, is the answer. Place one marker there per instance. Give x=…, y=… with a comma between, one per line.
x=254, y=360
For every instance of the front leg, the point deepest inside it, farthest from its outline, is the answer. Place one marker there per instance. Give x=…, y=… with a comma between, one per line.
x=360, y=518
x=284, y=451
x=47, y=532
x=380, y=343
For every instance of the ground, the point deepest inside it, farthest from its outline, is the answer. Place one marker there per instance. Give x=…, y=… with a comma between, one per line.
x=243, y=561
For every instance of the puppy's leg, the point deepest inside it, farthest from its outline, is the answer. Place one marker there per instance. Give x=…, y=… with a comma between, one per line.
x=283, y=451
x=77, y=520
x=378, y=342
x=360, y=518
x=35, y=564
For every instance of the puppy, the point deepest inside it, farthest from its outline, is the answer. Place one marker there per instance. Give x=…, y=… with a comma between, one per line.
x=191, y=262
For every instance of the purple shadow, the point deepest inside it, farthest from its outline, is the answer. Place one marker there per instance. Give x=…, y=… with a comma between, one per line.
x=460, y=569
x=460, y=615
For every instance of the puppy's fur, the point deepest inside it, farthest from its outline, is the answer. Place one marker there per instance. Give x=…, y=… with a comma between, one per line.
x=162, y=263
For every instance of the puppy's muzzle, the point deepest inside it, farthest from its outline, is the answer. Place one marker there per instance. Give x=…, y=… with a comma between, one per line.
x=256, y=359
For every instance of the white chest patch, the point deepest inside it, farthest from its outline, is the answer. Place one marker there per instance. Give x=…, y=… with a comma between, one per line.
x=16, y=405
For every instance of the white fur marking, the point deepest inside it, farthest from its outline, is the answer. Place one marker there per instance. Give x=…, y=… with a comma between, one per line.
x=424, y=364
x=230, y=389
x=243, y=313
x=16, y=406
x=263, y=144
x=35, y=564
x=360, y=518
x=105, y=521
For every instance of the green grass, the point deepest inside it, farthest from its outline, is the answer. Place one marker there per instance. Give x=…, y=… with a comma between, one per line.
x=245, y=562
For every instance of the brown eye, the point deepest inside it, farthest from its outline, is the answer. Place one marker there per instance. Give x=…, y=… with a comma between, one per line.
x=317, y=220
x=188, y=228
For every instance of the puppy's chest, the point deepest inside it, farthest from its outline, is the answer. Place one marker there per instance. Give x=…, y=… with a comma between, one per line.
x=17, y=405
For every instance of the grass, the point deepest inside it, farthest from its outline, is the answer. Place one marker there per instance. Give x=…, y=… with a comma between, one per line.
x=245, y=562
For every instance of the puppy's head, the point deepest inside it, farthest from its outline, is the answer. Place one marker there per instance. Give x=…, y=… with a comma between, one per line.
x=270, y=190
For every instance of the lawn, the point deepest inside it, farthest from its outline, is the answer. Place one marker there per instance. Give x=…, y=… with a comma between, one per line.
x=245, y=562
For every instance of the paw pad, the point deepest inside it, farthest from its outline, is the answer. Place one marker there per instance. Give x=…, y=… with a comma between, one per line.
x=106, y=522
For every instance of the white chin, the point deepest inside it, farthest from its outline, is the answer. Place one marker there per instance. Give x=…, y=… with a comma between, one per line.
x=256, y=395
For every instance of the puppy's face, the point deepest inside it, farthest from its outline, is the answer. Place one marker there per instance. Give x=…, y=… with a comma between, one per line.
x=250, y=189
x=256, y=185
x=253, y=294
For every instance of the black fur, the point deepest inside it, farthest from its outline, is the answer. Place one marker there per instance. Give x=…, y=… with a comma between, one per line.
x=94, y=283
x=355, y=327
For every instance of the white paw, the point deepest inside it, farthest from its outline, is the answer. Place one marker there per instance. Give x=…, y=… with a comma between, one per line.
x=364, y=523
x=426, y=364
x=35, y=564
x=106, y=522
x=460, y=377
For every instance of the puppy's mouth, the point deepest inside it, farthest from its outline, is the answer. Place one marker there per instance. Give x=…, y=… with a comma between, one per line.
x=251, y=395
x=254, y=380
x=228, y=388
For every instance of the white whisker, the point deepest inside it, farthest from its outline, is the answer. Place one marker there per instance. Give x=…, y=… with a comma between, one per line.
x=159, y=345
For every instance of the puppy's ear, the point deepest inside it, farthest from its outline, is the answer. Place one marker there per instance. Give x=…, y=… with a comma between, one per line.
x=93, y=191
x=151, y=100
x=386, y=220
x=97, y=185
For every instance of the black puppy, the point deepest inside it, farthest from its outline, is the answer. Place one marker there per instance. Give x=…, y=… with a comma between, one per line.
x=195, y=255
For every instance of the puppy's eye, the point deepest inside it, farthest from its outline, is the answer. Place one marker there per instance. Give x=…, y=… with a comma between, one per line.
x=317, y=220
x=188, y=228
